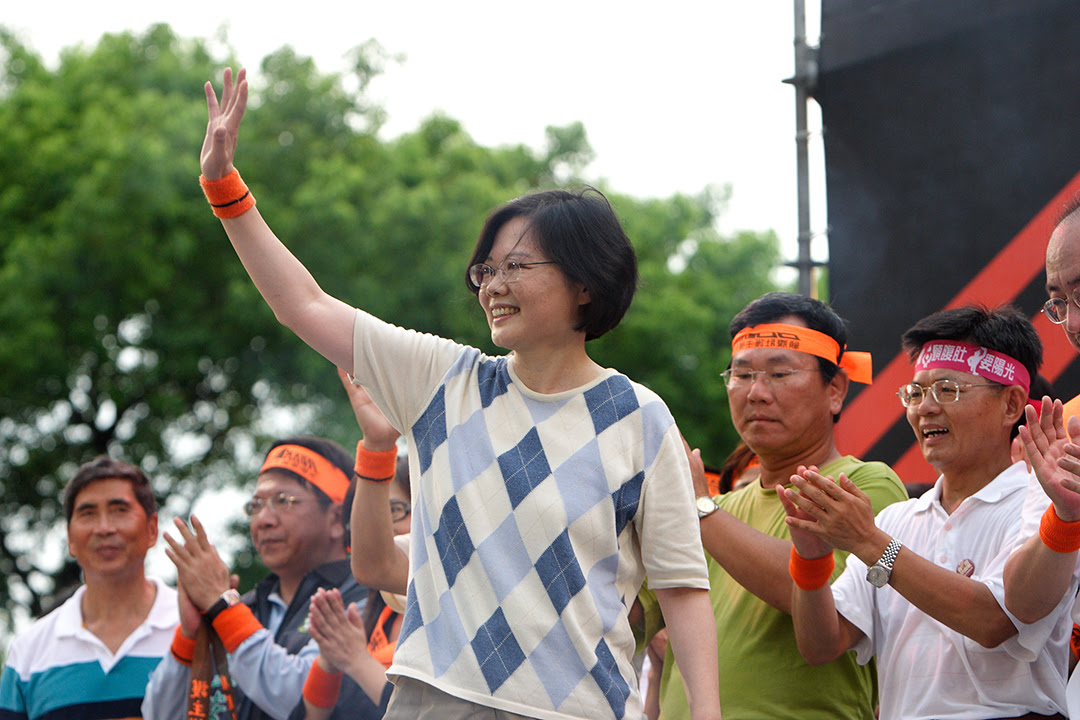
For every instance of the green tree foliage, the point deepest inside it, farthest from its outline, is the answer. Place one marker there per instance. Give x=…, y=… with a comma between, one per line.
x=129, y=327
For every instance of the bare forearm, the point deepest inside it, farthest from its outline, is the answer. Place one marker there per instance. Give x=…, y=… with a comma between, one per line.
x=691, y=632
x=321, y=321
x=1036, y=578
x=958, y=602
x=757, y=561
x=376, y=561
x=369, y=674
x=821, y=633
x=314, y=712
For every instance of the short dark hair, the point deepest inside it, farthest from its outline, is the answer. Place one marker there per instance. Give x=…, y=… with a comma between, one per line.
x=580, y=232
x=106, y=468
x=1003, y=329
x=771, y=307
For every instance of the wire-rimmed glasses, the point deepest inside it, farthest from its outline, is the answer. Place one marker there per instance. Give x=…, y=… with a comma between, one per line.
x=740, y=377
x=278, y=503
x=481, y=274
x=944, y=391
x=1057, y=309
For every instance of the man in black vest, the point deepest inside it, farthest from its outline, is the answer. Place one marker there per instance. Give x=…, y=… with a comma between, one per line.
x=297, y=513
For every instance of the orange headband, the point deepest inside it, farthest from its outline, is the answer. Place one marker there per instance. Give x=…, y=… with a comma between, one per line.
x=311, y=466
x=812, y=342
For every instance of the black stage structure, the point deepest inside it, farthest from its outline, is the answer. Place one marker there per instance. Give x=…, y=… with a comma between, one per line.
x=952, y=140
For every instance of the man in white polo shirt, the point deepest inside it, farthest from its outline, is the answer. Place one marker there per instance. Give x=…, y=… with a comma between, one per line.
x=922, y=590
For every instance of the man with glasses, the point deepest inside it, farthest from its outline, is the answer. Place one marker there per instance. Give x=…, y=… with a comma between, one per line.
x=1043, y=574
x=298, y=518
x=922, y=591
x=786, y=385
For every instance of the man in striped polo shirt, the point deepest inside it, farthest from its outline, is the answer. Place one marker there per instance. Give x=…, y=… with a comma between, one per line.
x=91, y=657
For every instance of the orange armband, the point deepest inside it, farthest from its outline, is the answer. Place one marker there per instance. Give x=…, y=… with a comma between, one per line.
x=183, y=648
x=376, y=467
x=810, y=574
x=229, y=196
x=322, y=688
x=234, y=625
x=1058, y=535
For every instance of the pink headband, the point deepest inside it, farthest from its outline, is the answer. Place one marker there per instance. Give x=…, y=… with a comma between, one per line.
x=974, y=359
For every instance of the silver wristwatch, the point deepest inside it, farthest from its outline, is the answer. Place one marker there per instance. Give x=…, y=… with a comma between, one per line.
x=705, y=506
x=878, y=573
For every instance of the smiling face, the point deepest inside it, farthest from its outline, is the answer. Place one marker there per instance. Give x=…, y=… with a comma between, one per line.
x=1063, y=272
x=785, y=419
x=969, y=434
x=109, y=532
x=538, y=311
x=293, y=541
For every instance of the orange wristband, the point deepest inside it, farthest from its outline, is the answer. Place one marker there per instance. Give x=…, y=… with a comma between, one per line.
x=376, y=467
x=810, y=574
x=183, y=648
x=229, y=196
x=322, y=688
x=235, y=624
x=1058, y=535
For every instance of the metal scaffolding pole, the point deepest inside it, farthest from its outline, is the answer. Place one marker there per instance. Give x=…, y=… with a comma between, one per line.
x=803, y=81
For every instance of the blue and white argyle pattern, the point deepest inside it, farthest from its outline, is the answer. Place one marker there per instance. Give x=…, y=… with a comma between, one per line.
x=524, y=556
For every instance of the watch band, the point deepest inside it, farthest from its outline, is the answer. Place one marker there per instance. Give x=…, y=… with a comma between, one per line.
x=889, y=556
x=228, y=598
x=880, y=572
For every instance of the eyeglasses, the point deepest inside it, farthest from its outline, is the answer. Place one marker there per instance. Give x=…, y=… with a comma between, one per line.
x=399, y=510
x=278, y=503
x=1057, y=309
x=481, y=274
x=740, y=378
x=944, y=392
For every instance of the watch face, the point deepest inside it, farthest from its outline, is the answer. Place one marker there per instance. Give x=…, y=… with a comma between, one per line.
x=877, y=575
x=705, y=505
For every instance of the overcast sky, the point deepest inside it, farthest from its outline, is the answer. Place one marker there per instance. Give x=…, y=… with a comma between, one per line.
x=675, y=96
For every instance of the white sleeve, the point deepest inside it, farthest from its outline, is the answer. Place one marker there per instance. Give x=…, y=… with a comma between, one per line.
x=671, y=549
x=399, y=368
x=1030, y=638
x=855, y=599
x=167, y=692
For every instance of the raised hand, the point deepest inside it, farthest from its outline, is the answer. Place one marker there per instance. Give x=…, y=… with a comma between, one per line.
x=842, y=513
x=1055, y=460
x=697, y=469
x=379, y=434
x=190, y=616
x=199, y=569
x=223, y=127
x=338, y=630
x=807, y=542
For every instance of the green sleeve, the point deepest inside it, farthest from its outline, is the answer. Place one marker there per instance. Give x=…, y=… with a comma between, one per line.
x=880, y=483
x=654, y=619
x=877, y=480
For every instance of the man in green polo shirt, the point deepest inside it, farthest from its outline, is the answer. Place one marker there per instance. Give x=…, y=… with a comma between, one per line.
x=788, y=379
